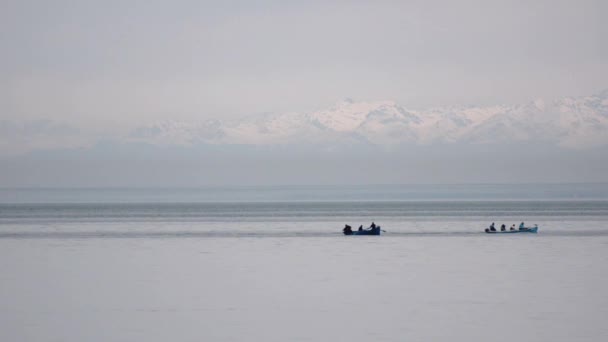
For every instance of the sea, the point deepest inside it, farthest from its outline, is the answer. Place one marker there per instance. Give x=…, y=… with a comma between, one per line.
x=247, y=263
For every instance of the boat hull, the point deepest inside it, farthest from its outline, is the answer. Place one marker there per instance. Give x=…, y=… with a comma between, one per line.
x=525, y=230
x=373, y=231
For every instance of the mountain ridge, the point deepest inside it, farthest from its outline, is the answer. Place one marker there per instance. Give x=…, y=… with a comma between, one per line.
x=572, y=122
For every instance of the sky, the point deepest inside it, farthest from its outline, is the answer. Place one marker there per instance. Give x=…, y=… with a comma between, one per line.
x=113, y=63
x=85, y=72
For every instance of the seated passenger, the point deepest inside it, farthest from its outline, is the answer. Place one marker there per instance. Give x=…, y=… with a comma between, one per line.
x=513, y=226
x=373, y=225
x=347, y=229
x=360, y=227
x=503, y=228
x=492, y=229
x=521, y=226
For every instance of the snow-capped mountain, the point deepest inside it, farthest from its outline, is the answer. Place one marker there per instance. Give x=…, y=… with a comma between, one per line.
x=571, y=122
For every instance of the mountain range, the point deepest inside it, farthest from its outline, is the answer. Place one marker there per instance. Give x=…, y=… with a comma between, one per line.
x=579, y=122
x=350, y=143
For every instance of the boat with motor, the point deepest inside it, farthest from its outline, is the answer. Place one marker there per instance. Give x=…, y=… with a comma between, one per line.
x=519, y=230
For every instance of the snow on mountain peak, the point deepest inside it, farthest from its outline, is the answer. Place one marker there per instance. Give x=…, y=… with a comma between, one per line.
x=347, y=116
x=572, y=122
x=540, y=104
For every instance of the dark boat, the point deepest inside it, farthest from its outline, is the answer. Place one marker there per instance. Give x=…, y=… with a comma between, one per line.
x=371, y=231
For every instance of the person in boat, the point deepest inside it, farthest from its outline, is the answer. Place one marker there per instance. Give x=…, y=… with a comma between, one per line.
x=492, y=228
x=513, y=226
x=521, y=226
x=503, y=228
x=373, y=226
x=347, y=229
x=360, y=227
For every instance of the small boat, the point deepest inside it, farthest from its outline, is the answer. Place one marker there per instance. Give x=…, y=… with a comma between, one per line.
x=520, y=230
x=371, y=231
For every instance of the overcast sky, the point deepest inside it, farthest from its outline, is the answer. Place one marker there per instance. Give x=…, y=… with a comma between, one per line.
x=114, y=63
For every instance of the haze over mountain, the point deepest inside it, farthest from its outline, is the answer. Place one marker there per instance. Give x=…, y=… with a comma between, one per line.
x=563, y=140
x=568, y=122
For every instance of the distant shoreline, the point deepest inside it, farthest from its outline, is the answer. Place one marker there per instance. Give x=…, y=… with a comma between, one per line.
x=317, y=193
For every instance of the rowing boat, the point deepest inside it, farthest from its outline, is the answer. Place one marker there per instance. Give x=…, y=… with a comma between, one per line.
x=521, y=230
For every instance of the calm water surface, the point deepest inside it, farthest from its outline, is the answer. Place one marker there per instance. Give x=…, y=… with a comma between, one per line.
x=273, y=266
